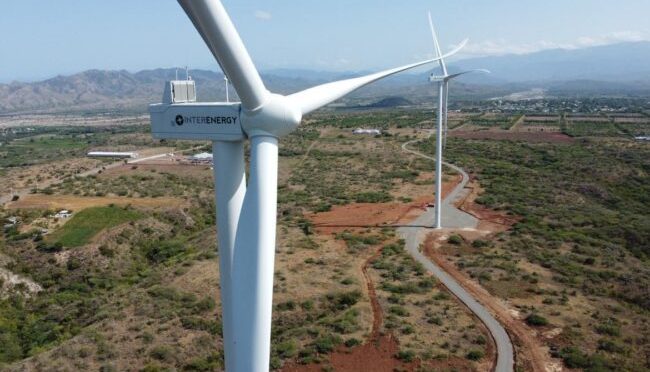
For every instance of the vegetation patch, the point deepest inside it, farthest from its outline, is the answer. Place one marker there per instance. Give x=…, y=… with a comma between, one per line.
x=84, y=225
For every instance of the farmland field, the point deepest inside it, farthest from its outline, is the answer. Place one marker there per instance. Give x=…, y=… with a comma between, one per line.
x=588, y=128
x=83, y=226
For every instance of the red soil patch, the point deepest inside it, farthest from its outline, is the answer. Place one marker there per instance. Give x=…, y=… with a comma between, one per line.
x=363, y=215
x=377, y=313
x=376, y=356
x=514, y=136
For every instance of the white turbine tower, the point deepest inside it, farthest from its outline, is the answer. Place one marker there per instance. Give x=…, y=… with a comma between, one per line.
x=246, y=211
x=443, y=95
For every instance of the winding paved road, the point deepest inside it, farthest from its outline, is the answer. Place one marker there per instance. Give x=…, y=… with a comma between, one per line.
x=414, y=235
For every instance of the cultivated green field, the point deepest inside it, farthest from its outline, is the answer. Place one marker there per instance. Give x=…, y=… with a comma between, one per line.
x=84, y=225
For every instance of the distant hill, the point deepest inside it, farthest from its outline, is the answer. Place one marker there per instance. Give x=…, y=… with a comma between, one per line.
x=612, y=70
x=96, y=90
x=113, y=90
x=391, y=102
x=623, y=62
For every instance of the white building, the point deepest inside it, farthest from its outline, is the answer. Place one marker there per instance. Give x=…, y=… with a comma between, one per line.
x=64, y=213
x=204, y=157
x=373, y=132
x=113, y=154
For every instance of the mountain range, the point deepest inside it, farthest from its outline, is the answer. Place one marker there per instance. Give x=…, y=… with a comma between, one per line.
x=611, y=70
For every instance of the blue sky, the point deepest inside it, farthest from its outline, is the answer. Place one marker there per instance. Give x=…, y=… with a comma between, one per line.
x=43, y=38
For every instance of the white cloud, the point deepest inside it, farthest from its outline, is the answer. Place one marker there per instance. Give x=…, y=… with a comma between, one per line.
x=502, y=46
x=263, y=15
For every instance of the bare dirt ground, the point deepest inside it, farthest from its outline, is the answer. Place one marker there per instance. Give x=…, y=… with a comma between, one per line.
x=77, y=203
x=514, y=136
x=10, y=280
x=363, y=215
x=44, y=174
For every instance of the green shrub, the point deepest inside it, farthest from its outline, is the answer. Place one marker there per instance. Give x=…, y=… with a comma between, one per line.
x=398, y=310
x=474, y=355
x=574, y=358
x=608, y=329
x=343, y=300
x=106, y=252
x=326, y=344
x=408, y=329
x=212, y=362
x=455, y=239
x=536, y=320
x=197, y=323
x=610, y=346
x=287, y=349
x=406, y=355
x=478, y=243
x=162, y=353
x=352, y=342
x=373, y=197
x=158, y=252
x=286, y=306
x=73, y=263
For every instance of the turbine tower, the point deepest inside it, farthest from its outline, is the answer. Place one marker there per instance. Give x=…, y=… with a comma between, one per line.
x=443, y=96
x=246, y=211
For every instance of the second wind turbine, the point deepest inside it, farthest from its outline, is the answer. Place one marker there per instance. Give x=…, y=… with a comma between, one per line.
x=443, y=95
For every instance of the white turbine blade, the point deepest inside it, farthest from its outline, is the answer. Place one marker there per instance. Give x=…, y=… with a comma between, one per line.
x=453, y=76
x=253, y=261
x=314, y=98
x=213, y=23
x=436, y=45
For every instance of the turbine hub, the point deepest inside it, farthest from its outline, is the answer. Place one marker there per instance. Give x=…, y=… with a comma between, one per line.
x=277, y=118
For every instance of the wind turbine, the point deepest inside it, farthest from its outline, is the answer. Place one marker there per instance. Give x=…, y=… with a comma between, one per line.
x=246, y=211
x=443, y=96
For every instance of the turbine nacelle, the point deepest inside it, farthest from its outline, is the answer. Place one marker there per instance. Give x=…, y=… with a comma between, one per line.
x=219, y=121
x=436, y=78
x=277, y=117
